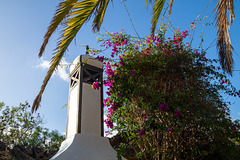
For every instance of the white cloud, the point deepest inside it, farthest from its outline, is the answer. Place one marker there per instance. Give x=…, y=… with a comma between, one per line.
x=61, y=70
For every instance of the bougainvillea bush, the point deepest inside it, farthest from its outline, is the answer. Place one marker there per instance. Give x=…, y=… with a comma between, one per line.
x=165, y=99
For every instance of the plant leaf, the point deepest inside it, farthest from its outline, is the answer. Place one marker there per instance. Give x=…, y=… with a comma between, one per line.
x=156, y=11
x=224, y=45
x=62, y=11
x=80, y=13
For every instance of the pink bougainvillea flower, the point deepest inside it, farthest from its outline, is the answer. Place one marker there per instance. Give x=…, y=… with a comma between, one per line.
x=108, y=93
x=125, y=42
x=100, y=58
x=119, y=95
x=133, y=72
x=141, y=132
x=184, y=33
x=170, y=129
x=108, y=83
x=109, y=123
x=109, y=70
x=115, y=106
x=164, y=107
x=116, y=65
x=164, y=50
x=147, y=52
x=144, y=116
x=106, y=102
x=95, y=85
x=110, y=111
x=177, y=112
x=105, y=83
x=223, y=82
x=109, y=43
x=234, y=128
x=121, y=61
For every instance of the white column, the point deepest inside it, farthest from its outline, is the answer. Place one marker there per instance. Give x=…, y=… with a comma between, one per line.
x=84, y=139
x=85, y=103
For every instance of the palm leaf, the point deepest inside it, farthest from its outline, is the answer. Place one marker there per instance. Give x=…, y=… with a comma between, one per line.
x=156, y=11
x=100, y=12
x=150, y=1
x=231, y=10
x=80, y=13
x=62, y=11
x=224, y=44
x=170, y=7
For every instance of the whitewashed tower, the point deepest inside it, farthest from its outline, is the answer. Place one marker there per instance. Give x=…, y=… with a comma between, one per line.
x=84, y=135
x=85, y=112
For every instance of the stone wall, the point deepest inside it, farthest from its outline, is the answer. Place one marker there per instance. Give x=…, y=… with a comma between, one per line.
x=21, y=152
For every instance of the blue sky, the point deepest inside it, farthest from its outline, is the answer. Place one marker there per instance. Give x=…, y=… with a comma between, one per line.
x=24, y=23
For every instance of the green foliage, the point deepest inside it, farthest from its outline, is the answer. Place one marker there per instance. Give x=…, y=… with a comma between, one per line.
x=18, y=126
x=165, y=99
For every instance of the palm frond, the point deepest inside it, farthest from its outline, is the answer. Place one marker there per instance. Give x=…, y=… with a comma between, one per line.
x=231, y=10
x=150, y=1
x=62, y=11
x=170, y=8
x=100, y=12
x=81, y=12
x=224, y=44
x=156, y=11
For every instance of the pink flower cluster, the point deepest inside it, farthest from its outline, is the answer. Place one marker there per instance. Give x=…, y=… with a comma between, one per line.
x=169, y=129
x=153, y=39
x=100, y=58
x=95, y=85
x=121, y=61
x=106, y=102
x=185, y=33
x=109, y=70
x=119, y=95
x=177, y=40
x=234, y=128
x=164, y=107
x=109, y=123
x=144, y=116
x=177, y=112
x=133, y=72
x=117, y=44
x=108, y=83
x=141, y=132
x=147, y=52
x=223, y=82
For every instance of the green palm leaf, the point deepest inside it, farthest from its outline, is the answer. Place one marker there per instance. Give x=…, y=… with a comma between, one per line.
x=100, y=12
x=156, y=11
x=150, y=1
x=61, y=13
x=78, y=15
